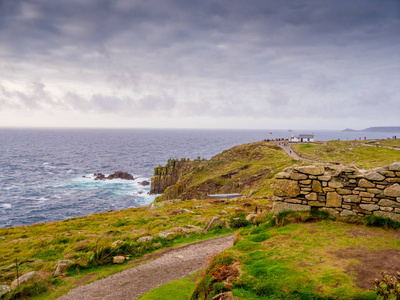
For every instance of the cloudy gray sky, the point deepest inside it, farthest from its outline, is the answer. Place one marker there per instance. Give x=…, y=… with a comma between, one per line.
x=300, y=64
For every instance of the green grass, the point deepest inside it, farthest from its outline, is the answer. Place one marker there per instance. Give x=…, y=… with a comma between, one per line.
x=86, y=240
x=303, y=261
x=180, y=289
x=351, y=152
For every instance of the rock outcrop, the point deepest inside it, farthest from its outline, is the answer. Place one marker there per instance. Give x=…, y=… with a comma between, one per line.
x=345, y=191
x=30, y=277
x=115, y=175
x=61, y=267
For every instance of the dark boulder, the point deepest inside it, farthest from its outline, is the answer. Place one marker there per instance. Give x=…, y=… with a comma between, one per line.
x=144, y=183
x=99, y=176
x=120, y=175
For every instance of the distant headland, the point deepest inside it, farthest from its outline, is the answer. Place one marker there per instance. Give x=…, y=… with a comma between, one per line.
x=375, y=129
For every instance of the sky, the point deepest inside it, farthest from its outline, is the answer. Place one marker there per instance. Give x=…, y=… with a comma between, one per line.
x=251, y=64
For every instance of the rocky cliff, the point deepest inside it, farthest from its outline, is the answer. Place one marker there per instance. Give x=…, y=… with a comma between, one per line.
x=170, y=174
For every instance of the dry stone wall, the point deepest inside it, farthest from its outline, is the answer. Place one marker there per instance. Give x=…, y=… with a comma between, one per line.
x=344, y=191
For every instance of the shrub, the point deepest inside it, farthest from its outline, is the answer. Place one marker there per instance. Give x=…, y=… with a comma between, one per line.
x=388, y=287
x=102, y=255
x=239, y=220
x=375, y=221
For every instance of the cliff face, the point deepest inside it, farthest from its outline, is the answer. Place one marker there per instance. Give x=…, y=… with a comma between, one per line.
x=170, y=174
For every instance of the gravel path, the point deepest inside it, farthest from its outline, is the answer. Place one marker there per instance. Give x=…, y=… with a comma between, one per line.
x=174, y=264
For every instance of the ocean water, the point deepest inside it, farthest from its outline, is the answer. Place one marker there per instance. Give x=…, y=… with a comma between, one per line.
x=41, y=170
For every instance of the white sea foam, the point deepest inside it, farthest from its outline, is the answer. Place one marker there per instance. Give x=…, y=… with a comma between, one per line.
x=7, y=188
x=6, y=205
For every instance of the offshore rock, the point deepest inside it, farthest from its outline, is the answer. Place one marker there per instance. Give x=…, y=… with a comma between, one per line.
x=115, y=175
x=120, y=175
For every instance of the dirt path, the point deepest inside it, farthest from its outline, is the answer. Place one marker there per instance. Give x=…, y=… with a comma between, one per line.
x=172, y=265
x=290, y=152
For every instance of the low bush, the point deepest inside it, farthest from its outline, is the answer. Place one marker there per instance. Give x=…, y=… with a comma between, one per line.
x=375, y=221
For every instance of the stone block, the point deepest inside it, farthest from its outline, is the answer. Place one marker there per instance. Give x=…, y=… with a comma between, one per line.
x=356, y=192
x=308, y=181
x=278, y=207
x=393, y=180
x=307, y=189
x=316, y=203
x=388, y=173
x=386, y=208
x=346, y=206
x=385, y=214
x=366, y=195
x=312, y=177
x=332, y=211
x=398, y=174
x=392, y=191
x=351, y=198
x=296, y=201
x=316, y=186
x=333, y=199
x=397, y=210
x=395, y=166
x=341, y=191
x=365, y=183
x=369, y=207
x=321, y=198
x=324, y=183
x=286, y=188
x=324, y=178
x=328, y=189
x=386, y=202
x=304, y=192
x=311, y=170
x=380, y=186
x=348, y=213
x=375, y=191
x=282, y=175
x=335, y=183
x=353, y=181
x=312, y=196
x=356, y=176
x=361, y=189
x=298, y=176
x=374, y=176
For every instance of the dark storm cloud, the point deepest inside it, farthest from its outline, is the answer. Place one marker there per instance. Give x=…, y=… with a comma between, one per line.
x=202, y=58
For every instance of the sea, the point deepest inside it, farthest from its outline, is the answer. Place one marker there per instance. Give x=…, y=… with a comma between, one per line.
x=47, y=174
